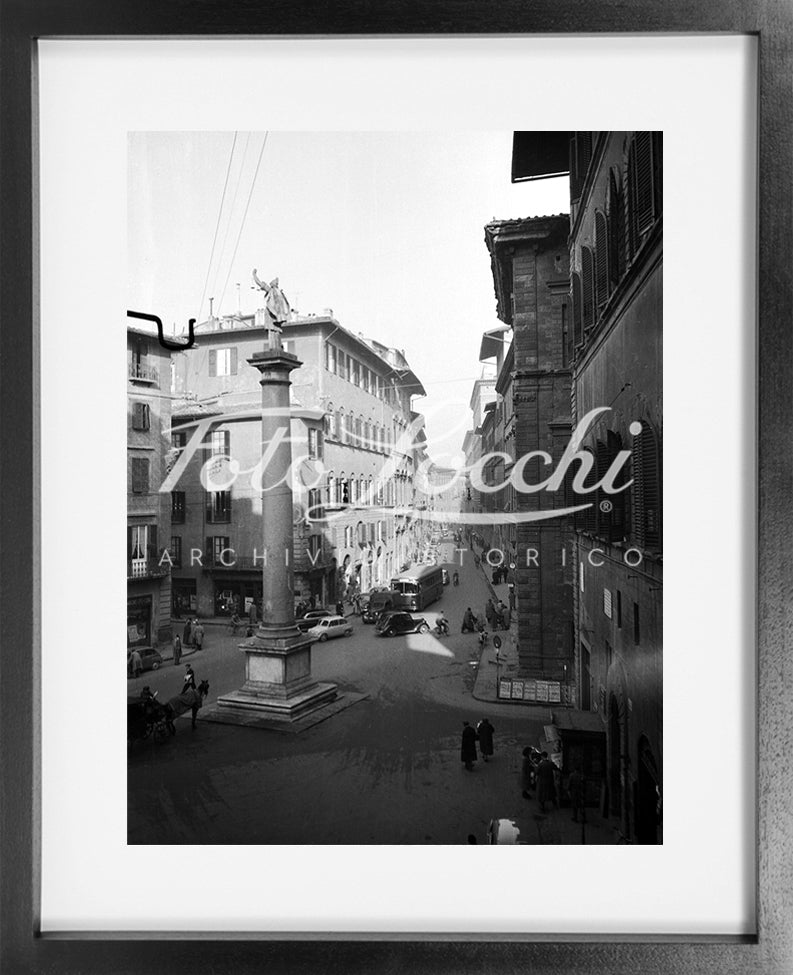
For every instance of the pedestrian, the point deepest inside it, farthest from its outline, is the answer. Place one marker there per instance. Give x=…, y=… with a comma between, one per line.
x=527, y=774
x=136, y=663
x=312, y=599
x=198, y=634
x=187, y=633
x=339, y=608
x=189, y=679
x=468, y=747
x=506, y=617
x=177, y=649
x=575, y=786
x=456, y=578
x=546, y=782
x=253, y=616
x=469, y=622
x=512, y=599
x=490, y=613
x=485, y=732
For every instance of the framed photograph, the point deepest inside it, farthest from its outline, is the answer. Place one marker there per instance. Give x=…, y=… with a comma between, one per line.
x=394, y=334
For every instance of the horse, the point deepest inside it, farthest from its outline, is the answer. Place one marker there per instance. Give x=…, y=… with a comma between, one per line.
x=189, y=700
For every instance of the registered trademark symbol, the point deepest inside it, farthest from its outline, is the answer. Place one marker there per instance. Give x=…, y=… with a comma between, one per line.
x=606, y=506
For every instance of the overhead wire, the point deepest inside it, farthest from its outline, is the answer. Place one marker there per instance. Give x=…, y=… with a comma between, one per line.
x=244, y=215
x=217, y=227
x=231, y=214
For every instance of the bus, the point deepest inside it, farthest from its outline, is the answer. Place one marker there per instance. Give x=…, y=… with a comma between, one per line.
x=419, y=587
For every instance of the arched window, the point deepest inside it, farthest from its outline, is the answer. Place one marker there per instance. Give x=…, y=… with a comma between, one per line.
x=345, y=490
x=342, y=421
x=578, y=327
x=601, y=261
x=358, y=428
x=587, y=288
x=616, y=230
x=646, y=494
x=330, y=489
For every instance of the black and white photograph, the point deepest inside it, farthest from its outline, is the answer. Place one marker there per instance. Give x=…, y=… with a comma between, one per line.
x=394, y=488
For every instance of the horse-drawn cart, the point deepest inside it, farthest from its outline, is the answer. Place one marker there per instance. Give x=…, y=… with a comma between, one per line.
x=147, y=718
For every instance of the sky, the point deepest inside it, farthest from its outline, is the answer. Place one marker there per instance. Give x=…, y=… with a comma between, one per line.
x=384, y=228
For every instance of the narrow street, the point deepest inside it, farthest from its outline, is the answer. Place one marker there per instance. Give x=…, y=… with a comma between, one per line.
x=386, y=770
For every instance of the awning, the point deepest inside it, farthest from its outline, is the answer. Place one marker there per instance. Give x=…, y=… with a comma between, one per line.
x=540, y=155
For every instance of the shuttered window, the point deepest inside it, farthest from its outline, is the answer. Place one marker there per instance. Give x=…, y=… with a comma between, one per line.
x=587, y=288
x=601, y=261
x=602, y=508
x=141, y=416
x=646, y=507
x=587, y=520
x=642, y=198
x=578, y=327
x=140, y=475
x=223, y=362
x=616, y=230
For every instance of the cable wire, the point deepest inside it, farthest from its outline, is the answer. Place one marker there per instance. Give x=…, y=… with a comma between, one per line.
x=244, y=215
x=217, y=227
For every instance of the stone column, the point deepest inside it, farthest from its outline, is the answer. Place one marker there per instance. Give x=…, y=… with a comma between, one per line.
x=278, y=682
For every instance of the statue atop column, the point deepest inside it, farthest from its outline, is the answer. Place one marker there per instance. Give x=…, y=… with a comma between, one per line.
x=277, y=309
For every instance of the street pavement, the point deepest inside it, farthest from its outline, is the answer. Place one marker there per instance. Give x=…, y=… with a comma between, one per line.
x=386, y=770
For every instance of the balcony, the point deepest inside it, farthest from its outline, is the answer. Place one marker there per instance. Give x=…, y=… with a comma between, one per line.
x=141, y=373
x=146, y=569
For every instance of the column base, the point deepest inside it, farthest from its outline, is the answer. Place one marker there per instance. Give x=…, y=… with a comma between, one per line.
x=273, y=702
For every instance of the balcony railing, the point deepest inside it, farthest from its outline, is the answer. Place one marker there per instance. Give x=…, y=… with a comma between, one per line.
x=146, y=569
x=144, y=374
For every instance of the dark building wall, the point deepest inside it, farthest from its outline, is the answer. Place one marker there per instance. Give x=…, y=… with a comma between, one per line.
x=619, y=618
x=530, y=265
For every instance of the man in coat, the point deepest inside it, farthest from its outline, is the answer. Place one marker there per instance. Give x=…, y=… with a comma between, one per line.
x=485, y=732
x=468, y=747
x=546, y=782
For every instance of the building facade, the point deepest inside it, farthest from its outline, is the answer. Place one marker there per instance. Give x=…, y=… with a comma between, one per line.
x=529, y=259
x=148, y=510
x=354, y=442
x=615, y=346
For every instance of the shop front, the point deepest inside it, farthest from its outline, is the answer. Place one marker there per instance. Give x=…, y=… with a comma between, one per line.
x=234, y=593
x=577, y=739
x=139, y=621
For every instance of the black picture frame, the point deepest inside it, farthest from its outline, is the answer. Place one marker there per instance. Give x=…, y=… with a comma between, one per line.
x=23, y=949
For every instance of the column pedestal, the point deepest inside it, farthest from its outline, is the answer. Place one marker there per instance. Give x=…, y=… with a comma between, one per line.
x=278, y=682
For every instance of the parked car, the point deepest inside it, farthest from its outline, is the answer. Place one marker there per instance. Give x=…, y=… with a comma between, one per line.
x=330, y=627
x=310, y=618
x=149, y=658
x=395, y=624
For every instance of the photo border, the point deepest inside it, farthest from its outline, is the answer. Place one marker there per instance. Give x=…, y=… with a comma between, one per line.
x=23, y=948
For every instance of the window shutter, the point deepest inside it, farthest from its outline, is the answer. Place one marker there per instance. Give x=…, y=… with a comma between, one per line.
x=652, y=488
x=601, y=261
x=618, y=501
x=130, y=531
x=152, y=538
x=233, y=369
x=213, y=362
x=587, y=520
x=616, y=231
x=603, y=517
x=575, y=180
x=644, y=182
x=578, y=328
x=638, y=487
x=658, y=188
x=587, y=288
